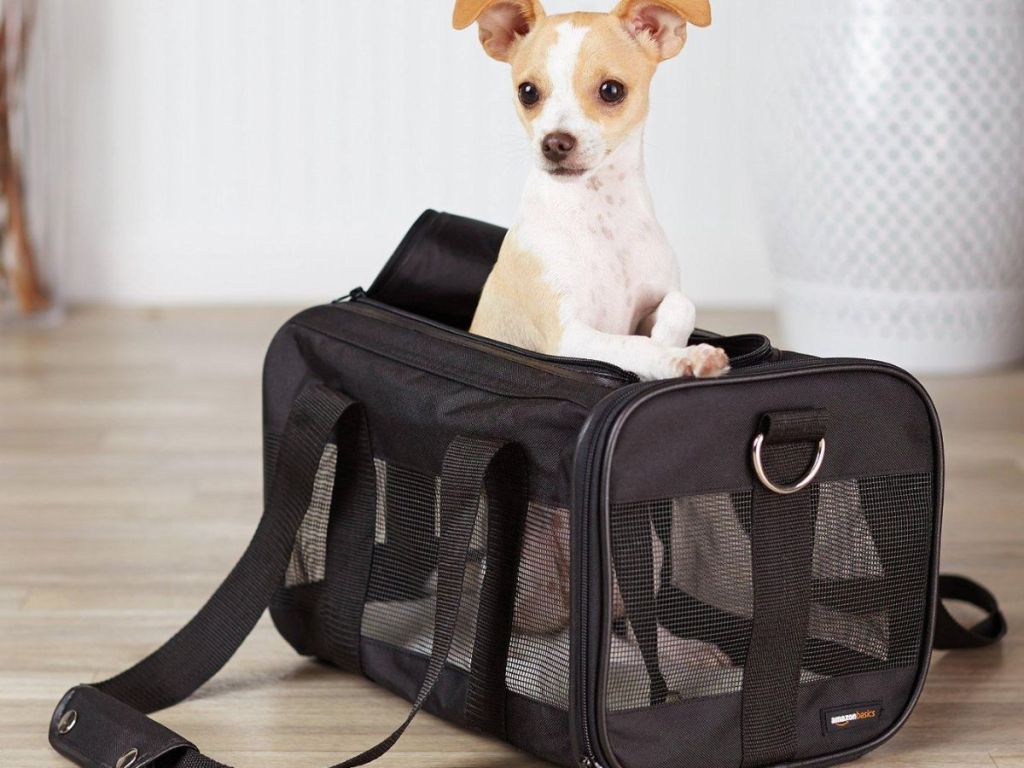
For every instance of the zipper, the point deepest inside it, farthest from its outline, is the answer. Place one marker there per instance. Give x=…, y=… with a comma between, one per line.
x=560, y=366
x=607, y=421
x=758, y=350
x=611, y=407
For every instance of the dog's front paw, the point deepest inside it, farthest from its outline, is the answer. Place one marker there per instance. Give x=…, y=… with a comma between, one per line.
x=701, y=361
x=680, y=366
x=709, y=361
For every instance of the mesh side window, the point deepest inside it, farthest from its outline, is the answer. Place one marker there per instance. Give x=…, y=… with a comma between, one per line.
x=401, y=599
x=309, y=554
x=538, y=663
x=870, y=564
x=403, y=581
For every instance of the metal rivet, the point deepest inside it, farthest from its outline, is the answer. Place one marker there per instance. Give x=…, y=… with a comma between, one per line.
x=127, y=759
x=67, y=722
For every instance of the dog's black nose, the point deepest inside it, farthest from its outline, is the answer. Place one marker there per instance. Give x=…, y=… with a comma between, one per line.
x=557, y=146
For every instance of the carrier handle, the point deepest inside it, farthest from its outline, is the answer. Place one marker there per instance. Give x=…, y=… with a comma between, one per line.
x=103, y=725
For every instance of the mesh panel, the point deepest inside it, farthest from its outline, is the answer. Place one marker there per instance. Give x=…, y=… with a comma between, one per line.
x=870, y=564
x=309, y=555
x=401, y=600
x=403, y=578
x=538, y=663
x=401, y=597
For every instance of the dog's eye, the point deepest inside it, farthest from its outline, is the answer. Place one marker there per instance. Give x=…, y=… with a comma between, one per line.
x=612, y=91
x=529, y=94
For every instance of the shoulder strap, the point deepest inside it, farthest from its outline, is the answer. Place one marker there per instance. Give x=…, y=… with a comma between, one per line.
x=950, y=634
x=104, y=725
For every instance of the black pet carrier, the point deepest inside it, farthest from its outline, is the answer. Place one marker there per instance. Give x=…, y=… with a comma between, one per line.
x=740, y=571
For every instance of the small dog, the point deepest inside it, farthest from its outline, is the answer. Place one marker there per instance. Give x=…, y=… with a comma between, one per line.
x=587, y=271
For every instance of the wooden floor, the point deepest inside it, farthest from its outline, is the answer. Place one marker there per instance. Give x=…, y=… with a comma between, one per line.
x=130, y=482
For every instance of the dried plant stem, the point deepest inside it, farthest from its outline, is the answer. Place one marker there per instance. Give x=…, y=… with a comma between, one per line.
x=22, y=275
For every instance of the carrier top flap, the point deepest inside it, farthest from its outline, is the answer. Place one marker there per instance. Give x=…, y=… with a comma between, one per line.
x=440, y=267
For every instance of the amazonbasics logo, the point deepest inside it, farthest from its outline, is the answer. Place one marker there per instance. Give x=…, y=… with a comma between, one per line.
x=841, y=721
x=841, y=718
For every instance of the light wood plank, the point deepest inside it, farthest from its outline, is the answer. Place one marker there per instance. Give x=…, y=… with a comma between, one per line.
x=130, y=482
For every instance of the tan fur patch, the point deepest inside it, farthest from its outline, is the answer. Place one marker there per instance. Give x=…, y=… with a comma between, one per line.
x=529, y=62
x=696, y=12
x=610, y=53
x=517, y=306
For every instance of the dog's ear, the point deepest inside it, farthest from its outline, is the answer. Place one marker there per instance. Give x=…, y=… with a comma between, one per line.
x=662, y=23
x=501, y=22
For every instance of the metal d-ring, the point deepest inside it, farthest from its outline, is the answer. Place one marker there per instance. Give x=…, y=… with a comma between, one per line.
x=785, y=490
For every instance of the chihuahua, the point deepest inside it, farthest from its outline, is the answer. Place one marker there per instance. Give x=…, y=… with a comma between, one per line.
x=586, y=270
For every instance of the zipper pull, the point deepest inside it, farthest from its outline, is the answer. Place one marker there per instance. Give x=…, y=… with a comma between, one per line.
x=589, y=762
x=355, y=293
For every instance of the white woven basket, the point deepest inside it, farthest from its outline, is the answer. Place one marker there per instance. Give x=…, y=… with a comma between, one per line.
x=892, y=177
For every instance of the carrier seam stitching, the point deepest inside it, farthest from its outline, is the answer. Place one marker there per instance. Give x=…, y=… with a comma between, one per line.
x=437, y=372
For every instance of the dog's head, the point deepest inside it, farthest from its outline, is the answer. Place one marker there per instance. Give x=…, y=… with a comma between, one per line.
x=581, y=80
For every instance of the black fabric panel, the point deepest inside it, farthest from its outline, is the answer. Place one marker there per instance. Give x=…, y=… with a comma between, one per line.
x=893, y=689
x=699, y=732
x=454, y=357
x=439, y=269
x=880, y=426
x=704, y=732
x=457, y=391
x=540, y=729
x=399, y=671
x=294, y=612
x=537, y=728
x=781, y=545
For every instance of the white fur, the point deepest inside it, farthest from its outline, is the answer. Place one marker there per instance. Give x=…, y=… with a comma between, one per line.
x=561, y=111
x=599, y=244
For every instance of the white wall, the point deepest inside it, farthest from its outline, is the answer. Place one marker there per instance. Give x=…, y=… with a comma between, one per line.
x=265, y=150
